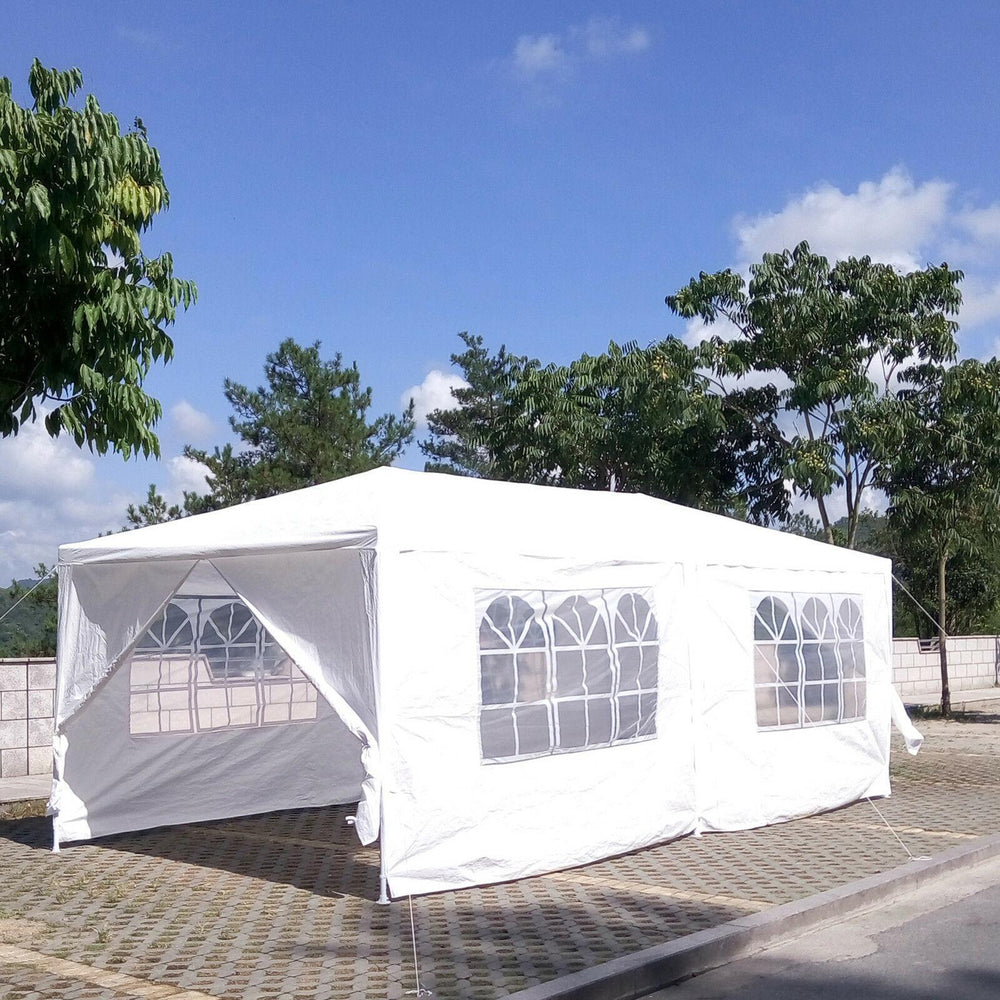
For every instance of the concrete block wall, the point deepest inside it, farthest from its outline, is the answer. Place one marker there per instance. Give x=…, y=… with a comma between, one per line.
x=27, y=694
x=973, y=663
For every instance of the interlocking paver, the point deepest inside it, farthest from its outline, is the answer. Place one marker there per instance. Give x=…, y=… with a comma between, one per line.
x=283, y=905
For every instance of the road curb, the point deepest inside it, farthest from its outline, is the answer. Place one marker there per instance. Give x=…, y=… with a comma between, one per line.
x=662, y=965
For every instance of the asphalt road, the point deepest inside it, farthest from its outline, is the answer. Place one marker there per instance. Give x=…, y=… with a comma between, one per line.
x=941, y=942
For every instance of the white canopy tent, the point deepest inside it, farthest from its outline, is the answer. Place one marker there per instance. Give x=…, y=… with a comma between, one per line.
x=509, y=679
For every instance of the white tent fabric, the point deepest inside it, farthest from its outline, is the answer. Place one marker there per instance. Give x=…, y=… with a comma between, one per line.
x=508, y=679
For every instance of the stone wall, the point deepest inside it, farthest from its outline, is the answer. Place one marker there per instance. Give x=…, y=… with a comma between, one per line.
x=27, y=691
x=973, y=663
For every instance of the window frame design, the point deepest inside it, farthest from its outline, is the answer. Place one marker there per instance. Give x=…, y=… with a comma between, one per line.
x=808, y=659
x=591, y=658
x=192, y=672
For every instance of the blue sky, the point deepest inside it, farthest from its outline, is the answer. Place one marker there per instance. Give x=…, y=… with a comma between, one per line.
x=382, y=176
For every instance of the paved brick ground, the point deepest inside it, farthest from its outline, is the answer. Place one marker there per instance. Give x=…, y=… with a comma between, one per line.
x=282, y=905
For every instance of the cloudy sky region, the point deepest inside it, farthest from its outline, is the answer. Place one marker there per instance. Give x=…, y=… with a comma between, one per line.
x=382, y=176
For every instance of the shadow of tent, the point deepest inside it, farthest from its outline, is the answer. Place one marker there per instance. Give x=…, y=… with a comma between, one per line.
x=311, y=849
x=35, y=831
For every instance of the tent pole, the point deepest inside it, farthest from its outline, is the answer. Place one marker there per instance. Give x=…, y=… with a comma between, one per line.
x=383, y=882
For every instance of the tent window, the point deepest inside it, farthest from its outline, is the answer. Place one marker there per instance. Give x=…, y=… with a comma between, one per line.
x=562, y=672
x=809, y=660
x=851, y=643
x=207, y=664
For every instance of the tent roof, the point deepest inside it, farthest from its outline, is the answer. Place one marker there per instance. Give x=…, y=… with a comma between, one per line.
x=398, y=509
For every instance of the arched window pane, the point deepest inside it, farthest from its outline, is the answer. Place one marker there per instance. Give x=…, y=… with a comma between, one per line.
x=575, y=671
x=172, y=630
x=773, y=621
x=576, y=623
x=229, y=640
x=634, y=621
x=815, y=620
x=808, y=660
x=207, y=664
x=849, y=622
x=510, y=622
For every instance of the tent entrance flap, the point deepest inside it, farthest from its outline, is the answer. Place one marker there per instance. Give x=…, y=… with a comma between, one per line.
x=319, y=605
x=221, y=708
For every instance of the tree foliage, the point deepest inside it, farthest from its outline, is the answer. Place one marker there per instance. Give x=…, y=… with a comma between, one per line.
x=153, y=510
x=831, y=341
x=456, y=443
x=83, y=312
x=630, y=419
x=29, y=629
x=972, y=603
x=941, y=470
x=309, y=424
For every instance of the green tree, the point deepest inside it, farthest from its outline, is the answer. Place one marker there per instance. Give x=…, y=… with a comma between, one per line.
x=456, y=444
x=972, y=585
x=308, y=425
x=154, y=510
x=83, y=312
x=28, y=626
x=800, y=523
x=631, y=419
x=941, y=471
x=831, y=341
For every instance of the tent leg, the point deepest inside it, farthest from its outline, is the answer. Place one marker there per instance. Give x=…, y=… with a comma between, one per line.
x=55, y=840
x=383, y=882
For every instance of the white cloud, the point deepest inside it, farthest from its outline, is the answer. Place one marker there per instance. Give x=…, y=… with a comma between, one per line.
x=33, y=462
x=52, y=492
x=983, y=224
x=186, y=475
x=191, y=422
x=696, y=330
x=604, y=37
x=434, y=393
x=980, y=301
x=538, y=54
x=558, y=56
x=49, y=494
x=893, y=220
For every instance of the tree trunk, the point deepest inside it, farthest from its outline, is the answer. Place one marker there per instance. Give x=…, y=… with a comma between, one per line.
x=943, y=636
x=825, y=520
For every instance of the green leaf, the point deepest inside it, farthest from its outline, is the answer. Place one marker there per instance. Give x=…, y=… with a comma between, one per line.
x=38, y=199
x=81, y=188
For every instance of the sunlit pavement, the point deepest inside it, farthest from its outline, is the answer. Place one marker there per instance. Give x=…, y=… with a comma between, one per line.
x=283, y=905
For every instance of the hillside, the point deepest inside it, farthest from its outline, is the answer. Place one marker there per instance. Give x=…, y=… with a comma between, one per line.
x=30, y=629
